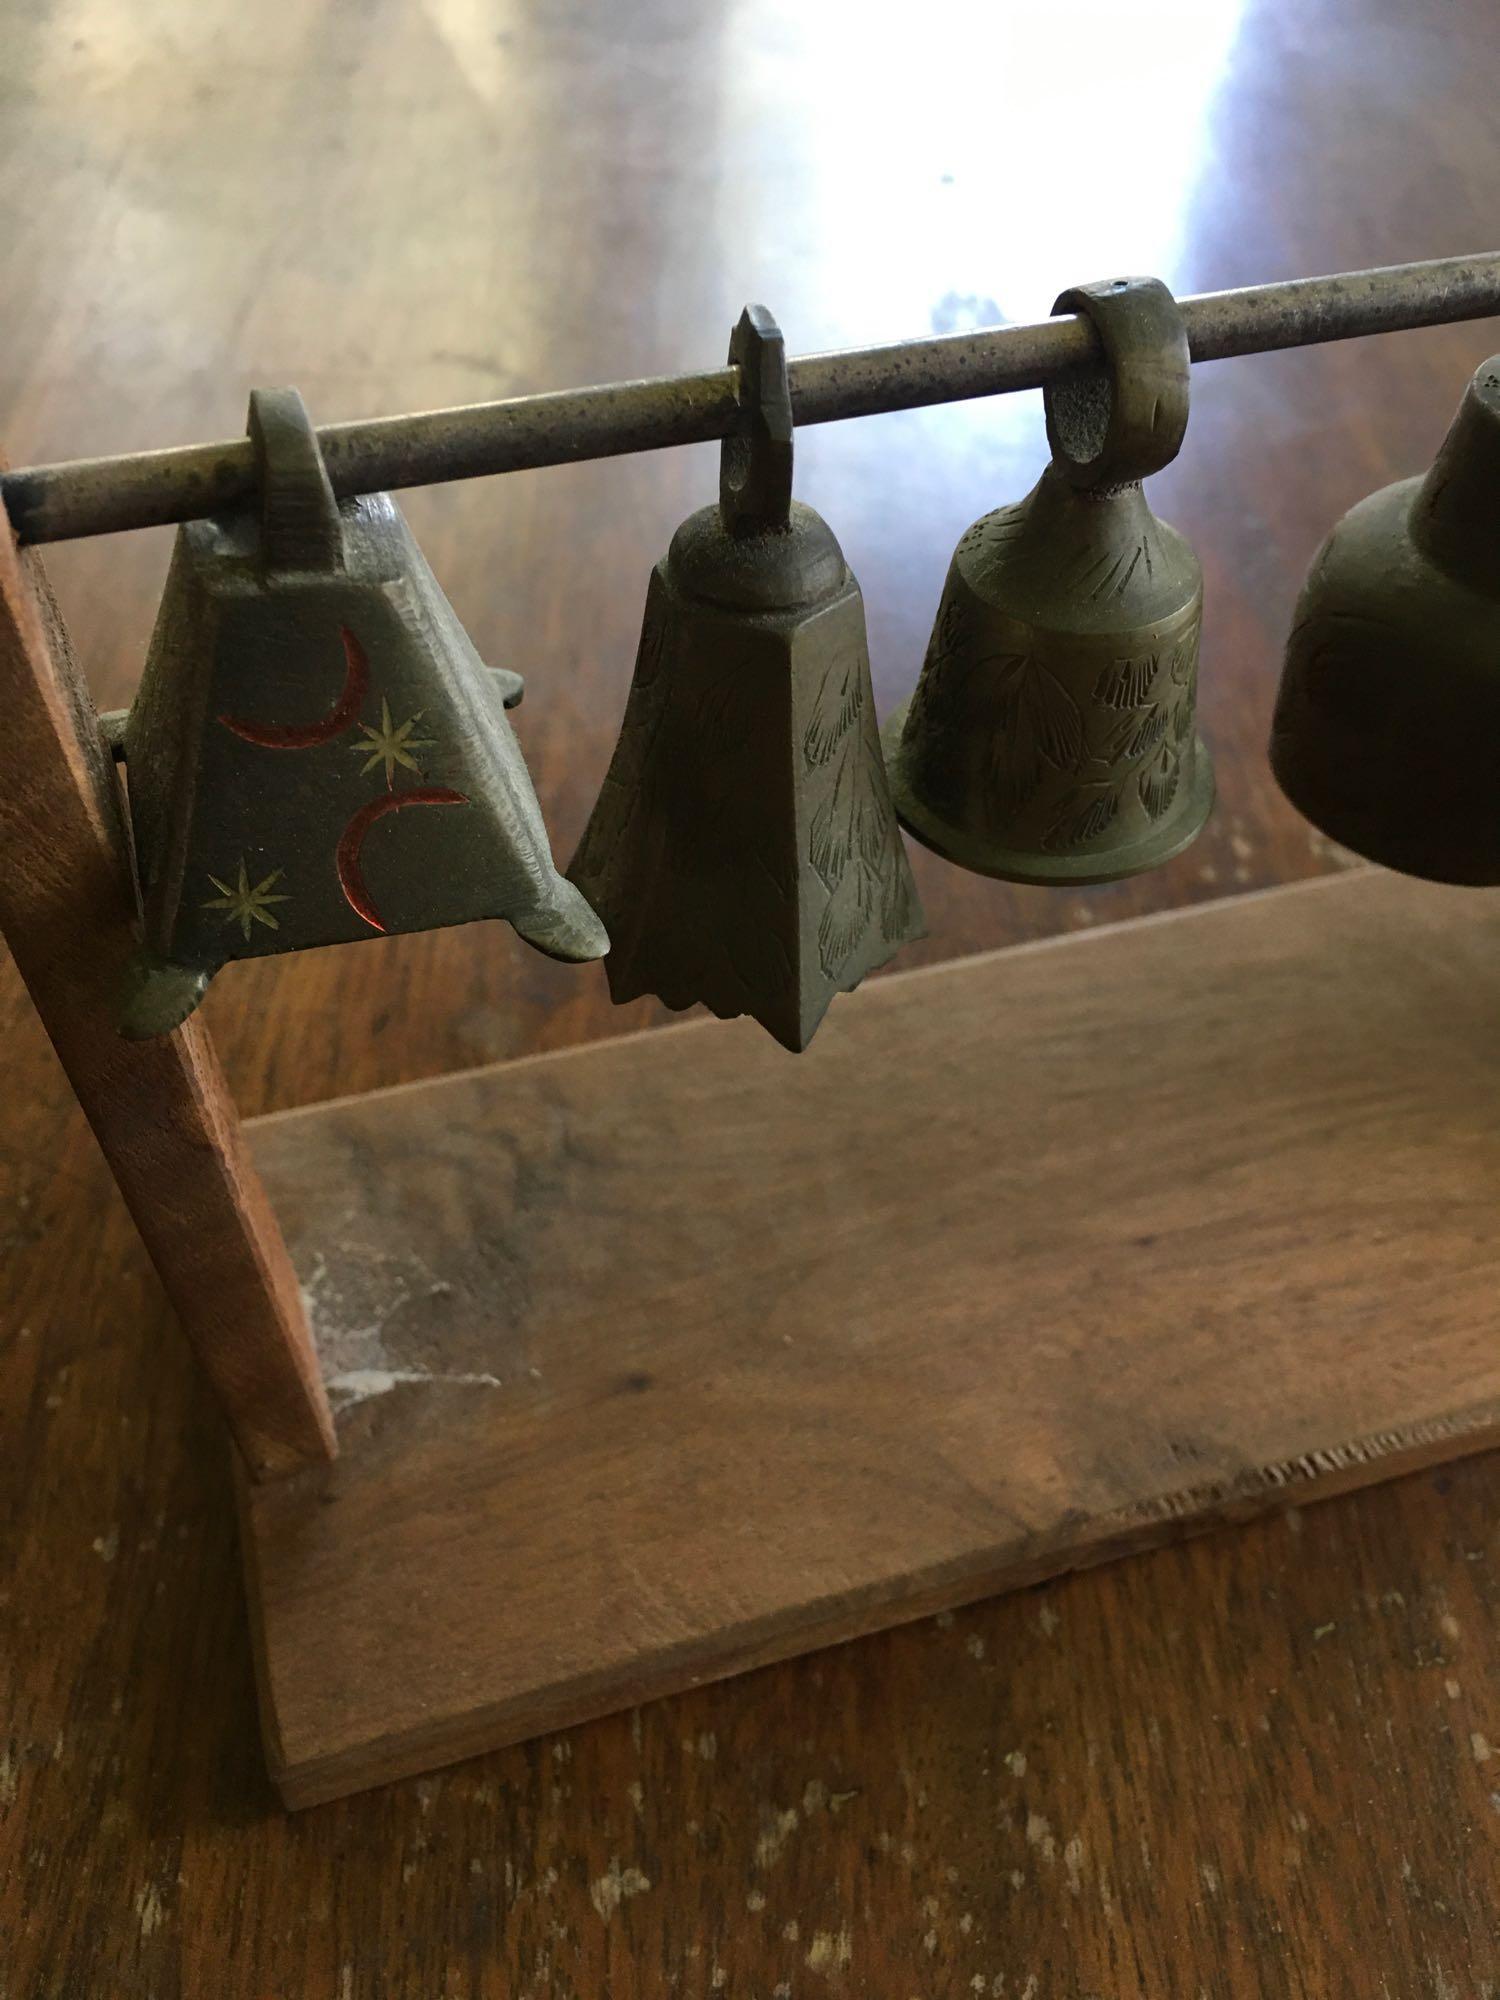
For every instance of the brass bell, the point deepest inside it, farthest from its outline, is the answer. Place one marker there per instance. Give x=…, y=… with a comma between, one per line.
x=1389, y=710
x=316, y=752
x=1052, y=735
x=743, y=851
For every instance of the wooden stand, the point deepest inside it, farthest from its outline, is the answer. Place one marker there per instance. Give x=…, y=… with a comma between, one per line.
x=160, y=1110
x=667, y=1357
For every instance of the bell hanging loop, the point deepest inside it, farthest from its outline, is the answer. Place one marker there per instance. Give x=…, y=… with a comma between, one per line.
x=743, y=852
x=755, y=460
x=300, y=525
x=1052, y=737
x=1115, y=425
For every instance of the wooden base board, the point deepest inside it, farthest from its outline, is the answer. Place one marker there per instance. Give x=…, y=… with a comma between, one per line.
x=666, y=1357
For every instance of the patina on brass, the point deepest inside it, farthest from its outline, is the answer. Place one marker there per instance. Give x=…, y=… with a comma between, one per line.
x=316, y=753
x=1051, y=737
x=743, y=851
x=1388, y=717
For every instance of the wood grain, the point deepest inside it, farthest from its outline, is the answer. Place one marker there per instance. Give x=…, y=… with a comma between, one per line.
x=663, y=1359
x=160, y=1110
x=1244, y=1773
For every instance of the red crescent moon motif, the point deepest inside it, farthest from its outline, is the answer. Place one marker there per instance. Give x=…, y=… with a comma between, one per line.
x=307, y=735
x=351, y=877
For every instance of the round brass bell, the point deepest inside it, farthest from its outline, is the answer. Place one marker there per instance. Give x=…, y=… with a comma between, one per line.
x=1389, y=709
x=1052, y=735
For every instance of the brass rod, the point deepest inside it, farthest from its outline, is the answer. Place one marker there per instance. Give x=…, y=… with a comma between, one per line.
x=100, y=496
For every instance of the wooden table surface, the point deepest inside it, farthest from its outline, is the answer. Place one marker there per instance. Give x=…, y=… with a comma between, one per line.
x=1258, y=1765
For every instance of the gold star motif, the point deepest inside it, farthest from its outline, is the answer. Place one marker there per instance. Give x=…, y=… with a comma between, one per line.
x=244, y=905
x=391, y=744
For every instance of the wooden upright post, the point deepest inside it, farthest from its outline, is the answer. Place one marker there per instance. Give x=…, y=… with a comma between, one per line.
x=160, y=1109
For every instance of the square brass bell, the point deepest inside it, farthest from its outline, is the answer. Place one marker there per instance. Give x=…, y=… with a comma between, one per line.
x=316, y=753
x=744, y=852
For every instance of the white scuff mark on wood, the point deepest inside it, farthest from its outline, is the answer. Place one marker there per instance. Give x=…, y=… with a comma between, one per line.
x=615, y=1886
x=635, y=1791
x=1453, y=1688
x=149, y=1909
x=107, y=1545
x=830, y=1950
x=1073, y=1862
x=776, y=1829
x=1481, y=1746
x=350, y=1315
x=1015, y=1763
x=1039, y=1835
x=358, y=1385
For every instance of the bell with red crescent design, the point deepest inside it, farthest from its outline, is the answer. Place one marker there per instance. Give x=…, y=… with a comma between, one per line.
x=743, y=850
x=316, y=753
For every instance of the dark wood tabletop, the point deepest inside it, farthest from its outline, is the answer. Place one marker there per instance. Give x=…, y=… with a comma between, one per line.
x=1263, y=1764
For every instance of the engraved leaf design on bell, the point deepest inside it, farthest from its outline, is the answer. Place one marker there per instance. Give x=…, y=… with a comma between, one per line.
x=1157, y=783
x=1080, y=822
x=1128, y=683
x=840, y=704
x=1038, y=722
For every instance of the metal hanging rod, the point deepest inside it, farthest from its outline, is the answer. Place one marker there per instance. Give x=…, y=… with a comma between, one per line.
x=99, y=496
